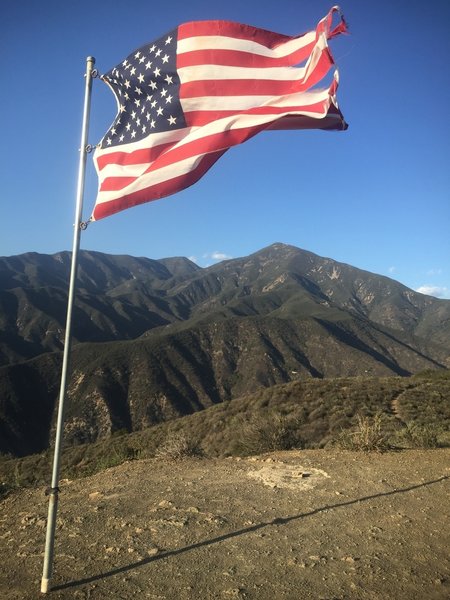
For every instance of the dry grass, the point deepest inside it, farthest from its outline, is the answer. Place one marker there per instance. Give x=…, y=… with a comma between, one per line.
x=414, y=435
x=369, y=435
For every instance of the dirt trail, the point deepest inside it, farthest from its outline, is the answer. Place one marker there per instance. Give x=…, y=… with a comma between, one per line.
x=319, y=525
x=395, y=405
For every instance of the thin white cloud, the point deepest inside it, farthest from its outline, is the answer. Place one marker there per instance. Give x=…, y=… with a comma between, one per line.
x=194, y=259
x=434, y=290
x=216, y=255
x=220, y=256
x=392, y=269
x=434, y=272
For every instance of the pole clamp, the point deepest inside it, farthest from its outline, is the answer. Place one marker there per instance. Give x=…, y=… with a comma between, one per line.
x=52, y=491
x=94, y=74
x=84, y=224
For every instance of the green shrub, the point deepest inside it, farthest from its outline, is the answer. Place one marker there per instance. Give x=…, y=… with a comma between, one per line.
x=275, y=432
x=5, y=488
x=177, y=446
x=114, y=456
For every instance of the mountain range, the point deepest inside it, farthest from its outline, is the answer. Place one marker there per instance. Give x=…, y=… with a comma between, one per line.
x=157, y=339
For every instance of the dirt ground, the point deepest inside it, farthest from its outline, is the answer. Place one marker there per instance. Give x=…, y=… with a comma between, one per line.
x=293, y=525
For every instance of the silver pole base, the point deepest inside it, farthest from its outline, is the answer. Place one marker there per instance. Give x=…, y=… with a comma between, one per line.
x=45, y=585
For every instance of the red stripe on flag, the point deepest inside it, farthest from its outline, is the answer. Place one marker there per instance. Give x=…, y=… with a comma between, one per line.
x=238, y=31
x=236, y=87
x=155, y=192
x=114, y=184
x=136, y=157
x=237, y=58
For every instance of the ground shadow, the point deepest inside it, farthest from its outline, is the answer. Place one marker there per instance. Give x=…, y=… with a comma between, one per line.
x=232, y=534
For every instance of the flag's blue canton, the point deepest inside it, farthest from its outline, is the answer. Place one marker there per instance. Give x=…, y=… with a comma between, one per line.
x=147, y=86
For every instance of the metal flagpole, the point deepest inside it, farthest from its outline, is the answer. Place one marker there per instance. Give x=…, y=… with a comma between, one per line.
x=54, y=490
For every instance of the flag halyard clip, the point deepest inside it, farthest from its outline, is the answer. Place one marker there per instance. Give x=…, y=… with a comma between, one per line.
x=94, y=74
x=83, y=225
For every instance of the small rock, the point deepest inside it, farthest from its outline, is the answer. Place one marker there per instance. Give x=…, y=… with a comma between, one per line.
x=153, y=551
x=235, y=592
x=165, y=504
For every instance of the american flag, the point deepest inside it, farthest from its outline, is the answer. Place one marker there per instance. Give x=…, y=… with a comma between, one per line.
x=204, y=87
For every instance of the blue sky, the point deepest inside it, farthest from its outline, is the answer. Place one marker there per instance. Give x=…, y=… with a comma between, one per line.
x=376, y=196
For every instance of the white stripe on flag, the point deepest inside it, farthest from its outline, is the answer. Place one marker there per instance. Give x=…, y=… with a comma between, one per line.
x=212, y=42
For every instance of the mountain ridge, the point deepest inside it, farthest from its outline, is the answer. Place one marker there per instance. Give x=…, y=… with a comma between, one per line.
x=159, y=339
